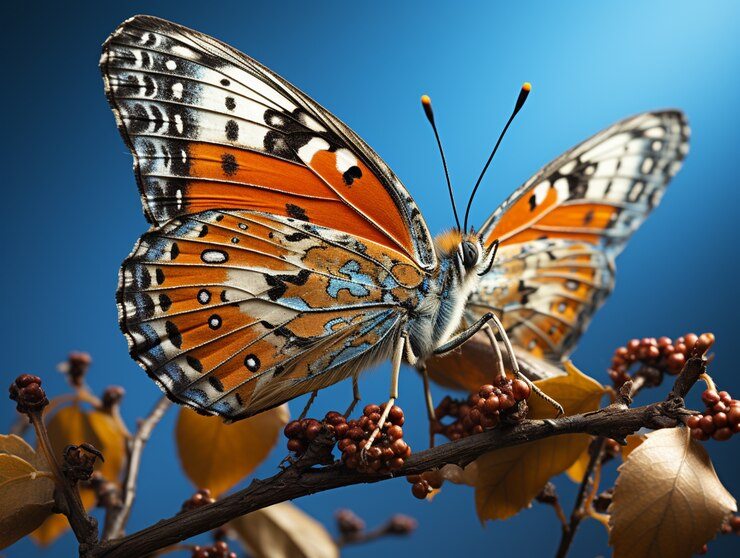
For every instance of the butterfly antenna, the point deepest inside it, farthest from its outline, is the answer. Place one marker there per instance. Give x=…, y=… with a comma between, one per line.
x=426, y=102
x=523, y=94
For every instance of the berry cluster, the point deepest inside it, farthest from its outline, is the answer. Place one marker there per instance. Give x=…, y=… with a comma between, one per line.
x=198, y=500
x=422, y=485
x=217, y=550
x=76, y=367
x=301, y=433
x=485, y=409
x=657, y=356
x=388, y=451
x=27, y=392
x=720, y=420
x=112, y=396
x=732, y=526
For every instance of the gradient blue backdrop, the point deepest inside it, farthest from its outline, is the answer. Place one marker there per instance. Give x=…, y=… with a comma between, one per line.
x=71, y=210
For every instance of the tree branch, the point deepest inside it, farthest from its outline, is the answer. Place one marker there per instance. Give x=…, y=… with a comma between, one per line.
x=615, y=421
x=117, y=517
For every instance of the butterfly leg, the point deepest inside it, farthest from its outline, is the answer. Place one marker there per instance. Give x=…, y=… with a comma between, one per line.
x=398, y=352
x=514, y=364
x=463, y=336
x=422, y=367
x=356, y=397
x=500, y=372
x=308, y=404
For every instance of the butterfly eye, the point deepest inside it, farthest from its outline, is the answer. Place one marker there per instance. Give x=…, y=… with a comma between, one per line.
x=470, y=254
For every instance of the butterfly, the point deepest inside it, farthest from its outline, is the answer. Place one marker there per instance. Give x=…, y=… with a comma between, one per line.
x=284, y=255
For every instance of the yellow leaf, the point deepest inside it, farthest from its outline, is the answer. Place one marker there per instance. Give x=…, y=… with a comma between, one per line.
x=508, y=479
x=668, y=501
x=27, y=496
x=284, y=531
x=576, y=471
x=74, y=425
x=217, y=455
x=15, y=445
x=633, y=442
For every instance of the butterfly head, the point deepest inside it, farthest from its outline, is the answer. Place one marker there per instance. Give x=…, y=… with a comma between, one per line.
x=466, y=251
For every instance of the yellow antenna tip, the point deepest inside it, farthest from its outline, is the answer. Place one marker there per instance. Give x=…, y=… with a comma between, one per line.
x=527, y=86
x=425, y=100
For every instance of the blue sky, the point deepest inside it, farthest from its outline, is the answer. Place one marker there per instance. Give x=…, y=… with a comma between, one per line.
x=72, y=211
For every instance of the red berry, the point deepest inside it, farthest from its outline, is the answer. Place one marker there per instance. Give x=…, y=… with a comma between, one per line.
x=521, y=390
x=421, y=489
x=710, y=397
x=396, y=415
x=485, y=390
x=296, y=446
x=370, y=409
x=722, y=434
x=699, y=434
x=395, y=432
x=720, y=420
x=693, y=421
x=720, y=407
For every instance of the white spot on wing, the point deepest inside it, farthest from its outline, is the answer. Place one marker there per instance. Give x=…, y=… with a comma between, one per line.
x=177, y=90
x=213, y=256
x=345, y=160
x=568, y=167
x=307, y=152
x=170, y=65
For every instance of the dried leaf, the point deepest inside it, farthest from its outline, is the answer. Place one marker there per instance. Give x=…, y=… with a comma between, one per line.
x=284, y=531
x=508, y=479
x=217, y=455
x=668, y=501
x=633, y=442
x=74, y=425
x=27, y=495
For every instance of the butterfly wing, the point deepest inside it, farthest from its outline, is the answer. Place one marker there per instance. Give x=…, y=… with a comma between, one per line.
x=560, y=232
x=236, y=312
x=593, y=197
x=601, y=190
x=546, y=292
x=283, y=252
x=210, y=128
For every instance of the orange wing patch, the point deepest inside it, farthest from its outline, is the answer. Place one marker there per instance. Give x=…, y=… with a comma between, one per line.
x=319, y=193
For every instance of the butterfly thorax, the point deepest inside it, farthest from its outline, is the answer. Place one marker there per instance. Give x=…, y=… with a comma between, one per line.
x=438, y=317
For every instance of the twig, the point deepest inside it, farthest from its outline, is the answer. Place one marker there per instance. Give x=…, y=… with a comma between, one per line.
x=614, y=421
x=84, y=527
x=549, y=496
x=389, y=528
x=569, y=531
x=116, y=523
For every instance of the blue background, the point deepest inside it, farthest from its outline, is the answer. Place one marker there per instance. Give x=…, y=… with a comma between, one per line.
x=71, y=211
